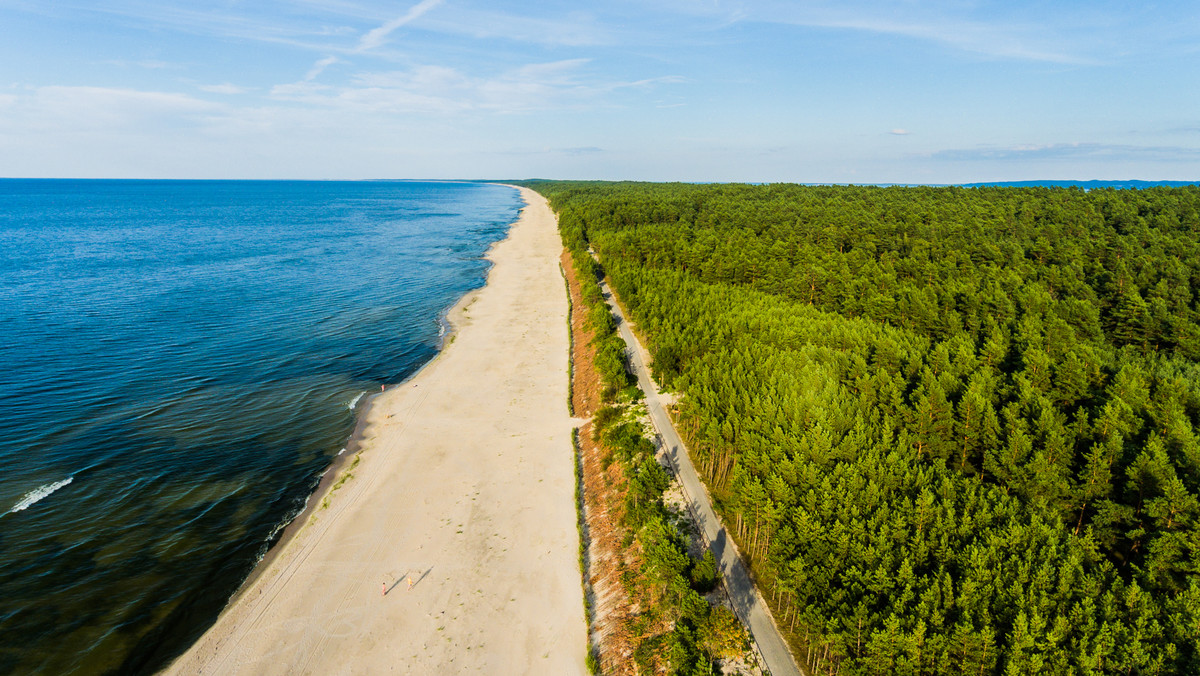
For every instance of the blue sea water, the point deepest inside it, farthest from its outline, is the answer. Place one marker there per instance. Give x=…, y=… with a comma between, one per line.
x=179, y=363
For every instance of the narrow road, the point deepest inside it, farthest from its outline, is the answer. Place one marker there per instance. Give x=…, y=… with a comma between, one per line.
x=746, y=602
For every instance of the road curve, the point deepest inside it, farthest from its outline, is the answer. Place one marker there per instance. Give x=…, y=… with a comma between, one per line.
x=746, y=601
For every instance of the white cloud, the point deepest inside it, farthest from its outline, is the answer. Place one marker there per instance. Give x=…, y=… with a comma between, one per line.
x=989, y=39
x=226, y=88
x=319, y=67
x=432, y=89
x=376, y=36
x=331, y=26
x=577, y=29
x=57, y=117
x=95, y=106
x=148, y=64
x=899, y=132
x=1072, y=151
x=432, y=81
x=571, y=151
x=988, y=29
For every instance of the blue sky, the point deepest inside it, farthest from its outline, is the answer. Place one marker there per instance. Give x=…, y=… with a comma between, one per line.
x=909, y=91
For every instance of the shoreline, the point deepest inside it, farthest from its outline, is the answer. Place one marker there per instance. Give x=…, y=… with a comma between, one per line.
x=355, y=507
x=362, y=412
x=354, y=445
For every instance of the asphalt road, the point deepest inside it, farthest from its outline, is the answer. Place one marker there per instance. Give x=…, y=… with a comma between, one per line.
x=746, y=601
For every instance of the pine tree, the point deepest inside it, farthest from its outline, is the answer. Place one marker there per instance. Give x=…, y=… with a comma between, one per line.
x=1130, y=318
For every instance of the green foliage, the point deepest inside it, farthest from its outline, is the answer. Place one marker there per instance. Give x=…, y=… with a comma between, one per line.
x=604, y=418
x=671, y=579
x=955, y=430
x=610, y=359
x=705, y=574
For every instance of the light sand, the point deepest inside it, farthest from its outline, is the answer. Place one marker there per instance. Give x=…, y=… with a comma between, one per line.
x=466, y=484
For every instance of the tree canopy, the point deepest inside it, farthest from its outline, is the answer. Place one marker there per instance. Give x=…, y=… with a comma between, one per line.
x=955, y=430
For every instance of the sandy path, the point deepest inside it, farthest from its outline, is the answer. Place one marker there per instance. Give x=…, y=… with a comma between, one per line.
x=466, y=483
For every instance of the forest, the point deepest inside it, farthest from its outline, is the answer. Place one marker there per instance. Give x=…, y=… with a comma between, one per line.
x=954, y=430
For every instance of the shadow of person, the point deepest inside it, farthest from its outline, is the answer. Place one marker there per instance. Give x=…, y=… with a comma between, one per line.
x=394, y=585
x=414, y=581
x=423, y=576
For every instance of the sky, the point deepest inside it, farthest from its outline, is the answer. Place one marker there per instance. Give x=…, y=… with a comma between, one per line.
x=837, y=91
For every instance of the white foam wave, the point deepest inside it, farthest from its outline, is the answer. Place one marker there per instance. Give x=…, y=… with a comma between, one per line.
x=285, y=523
x=36, y=495
x=354, y=401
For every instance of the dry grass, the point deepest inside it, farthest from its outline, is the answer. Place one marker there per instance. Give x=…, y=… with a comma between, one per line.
x=609, y=559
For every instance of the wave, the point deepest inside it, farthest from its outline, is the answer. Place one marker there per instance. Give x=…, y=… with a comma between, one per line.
x=354, y=401
x=270, y=539
x=36, y=495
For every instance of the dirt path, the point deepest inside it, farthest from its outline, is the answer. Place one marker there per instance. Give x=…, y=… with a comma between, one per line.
x=465, y=485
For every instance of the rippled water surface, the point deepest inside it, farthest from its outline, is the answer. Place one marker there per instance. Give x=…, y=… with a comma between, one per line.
x=179, y=362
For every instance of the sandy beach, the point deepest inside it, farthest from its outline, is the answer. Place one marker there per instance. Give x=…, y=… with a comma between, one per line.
x=464, y=486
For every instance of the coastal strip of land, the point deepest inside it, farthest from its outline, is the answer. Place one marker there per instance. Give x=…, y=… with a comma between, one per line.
x=449, y=544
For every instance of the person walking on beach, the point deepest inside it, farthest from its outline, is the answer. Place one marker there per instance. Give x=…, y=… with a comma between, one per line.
x=383, y=589
x=410, y=582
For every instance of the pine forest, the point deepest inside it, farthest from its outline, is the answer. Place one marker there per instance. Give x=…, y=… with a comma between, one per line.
x=954, y=430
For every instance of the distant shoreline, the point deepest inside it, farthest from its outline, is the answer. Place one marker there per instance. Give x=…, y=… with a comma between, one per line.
x=1087, y=184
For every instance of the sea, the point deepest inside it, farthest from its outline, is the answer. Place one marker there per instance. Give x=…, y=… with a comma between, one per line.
x=180, y=362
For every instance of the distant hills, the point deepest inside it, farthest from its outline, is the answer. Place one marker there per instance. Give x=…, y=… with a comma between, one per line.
x=1089, y=185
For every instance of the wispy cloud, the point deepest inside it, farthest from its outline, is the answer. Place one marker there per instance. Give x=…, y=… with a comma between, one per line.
x=989, y=29
x=569, y=151
x=84, y=109
x=577, y=29
x=319, y=67
x=318, y=30
x=337, y=26
x=436, y=89
x=1071, y=151
x=993, y=39
x=376, y=36
x=148, y=64
x=226, y=88
x=1068, y=33
x=899, y=132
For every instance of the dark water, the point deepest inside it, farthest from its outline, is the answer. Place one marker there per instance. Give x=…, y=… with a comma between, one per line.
x=178, y=364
